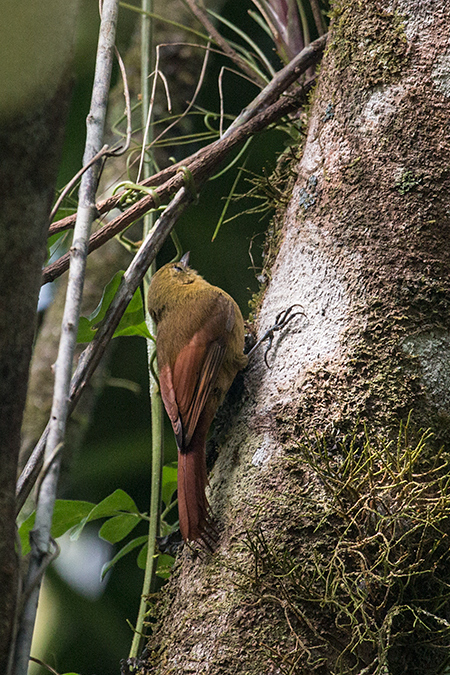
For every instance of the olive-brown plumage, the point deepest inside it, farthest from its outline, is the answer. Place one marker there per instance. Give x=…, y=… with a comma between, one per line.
x=199, y=347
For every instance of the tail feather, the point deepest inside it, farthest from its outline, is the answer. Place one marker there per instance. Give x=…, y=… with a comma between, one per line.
x=193, y=508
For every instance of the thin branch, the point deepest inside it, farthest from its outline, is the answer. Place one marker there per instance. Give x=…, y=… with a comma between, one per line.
x=280, y=83
x=31, y=470
x=220, y=85
x=156, y=73
x=40, y=539
x=196, y=92
x=318, y=18
x=282, y=80
x=126, y=93
x=200, y=168
x=44, y=665
x=67, y=188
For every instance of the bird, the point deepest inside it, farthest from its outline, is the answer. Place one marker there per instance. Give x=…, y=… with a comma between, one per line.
x=199, y=351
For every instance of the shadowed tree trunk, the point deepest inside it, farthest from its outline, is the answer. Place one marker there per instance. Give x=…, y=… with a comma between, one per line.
x=35, y=49
x=30, y=156
x=333, y=505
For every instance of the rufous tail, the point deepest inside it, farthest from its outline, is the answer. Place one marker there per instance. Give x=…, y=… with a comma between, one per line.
x=193, y=508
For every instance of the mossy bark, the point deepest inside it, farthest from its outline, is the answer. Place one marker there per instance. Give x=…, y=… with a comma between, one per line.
x=325, y=562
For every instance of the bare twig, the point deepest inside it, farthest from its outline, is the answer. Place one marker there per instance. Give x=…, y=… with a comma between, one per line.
x=156, y=73
x=280, y=83
x=318, y=18
x=126, y=92
x=31, y=471
x=40, y=539
x=44, y=665
x=194, y=97
x=67, y=188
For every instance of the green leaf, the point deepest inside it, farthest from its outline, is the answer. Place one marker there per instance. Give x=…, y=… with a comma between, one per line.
x=132, y=322
x=54, y=242
x=112, y=505
x=115, y=529
x=86, y=326
x=165, y=564
x=73, y=514
x=134, y=543
x=169, y=482
x=67, y=514
x=118, y=500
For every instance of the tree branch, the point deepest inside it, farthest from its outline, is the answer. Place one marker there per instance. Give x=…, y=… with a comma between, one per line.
x=279, y=84
x=40, y=538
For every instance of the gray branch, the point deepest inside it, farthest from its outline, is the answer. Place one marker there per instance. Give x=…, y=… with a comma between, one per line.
x=40, y=536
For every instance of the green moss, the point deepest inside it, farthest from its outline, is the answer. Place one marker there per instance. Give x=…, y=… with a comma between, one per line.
x=369, y=590
x=407, y=182
x=371, y=43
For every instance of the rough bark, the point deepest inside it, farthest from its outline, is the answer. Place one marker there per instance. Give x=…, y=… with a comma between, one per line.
x=31, y=146
x=334, y=555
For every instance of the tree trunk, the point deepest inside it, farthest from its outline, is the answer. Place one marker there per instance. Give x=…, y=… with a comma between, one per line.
x=334, y=504
x=35, y=50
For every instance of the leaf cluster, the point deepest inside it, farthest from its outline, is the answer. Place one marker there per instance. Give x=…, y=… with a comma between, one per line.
x=121, y=517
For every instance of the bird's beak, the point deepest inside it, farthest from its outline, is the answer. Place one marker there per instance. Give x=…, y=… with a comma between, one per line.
x=185, y=259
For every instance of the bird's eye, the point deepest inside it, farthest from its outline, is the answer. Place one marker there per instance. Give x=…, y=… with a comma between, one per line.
x=178, y=268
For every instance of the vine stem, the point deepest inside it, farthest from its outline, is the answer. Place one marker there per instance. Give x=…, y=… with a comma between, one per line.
x=157, y=420
x=40, y=536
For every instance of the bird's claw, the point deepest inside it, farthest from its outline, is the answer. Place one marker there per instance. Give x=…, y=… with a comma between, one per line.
x=282, y=319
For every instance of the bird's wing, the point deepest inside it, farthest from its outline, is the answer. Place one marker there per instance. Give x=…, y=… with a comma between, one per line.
x=186, y=387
